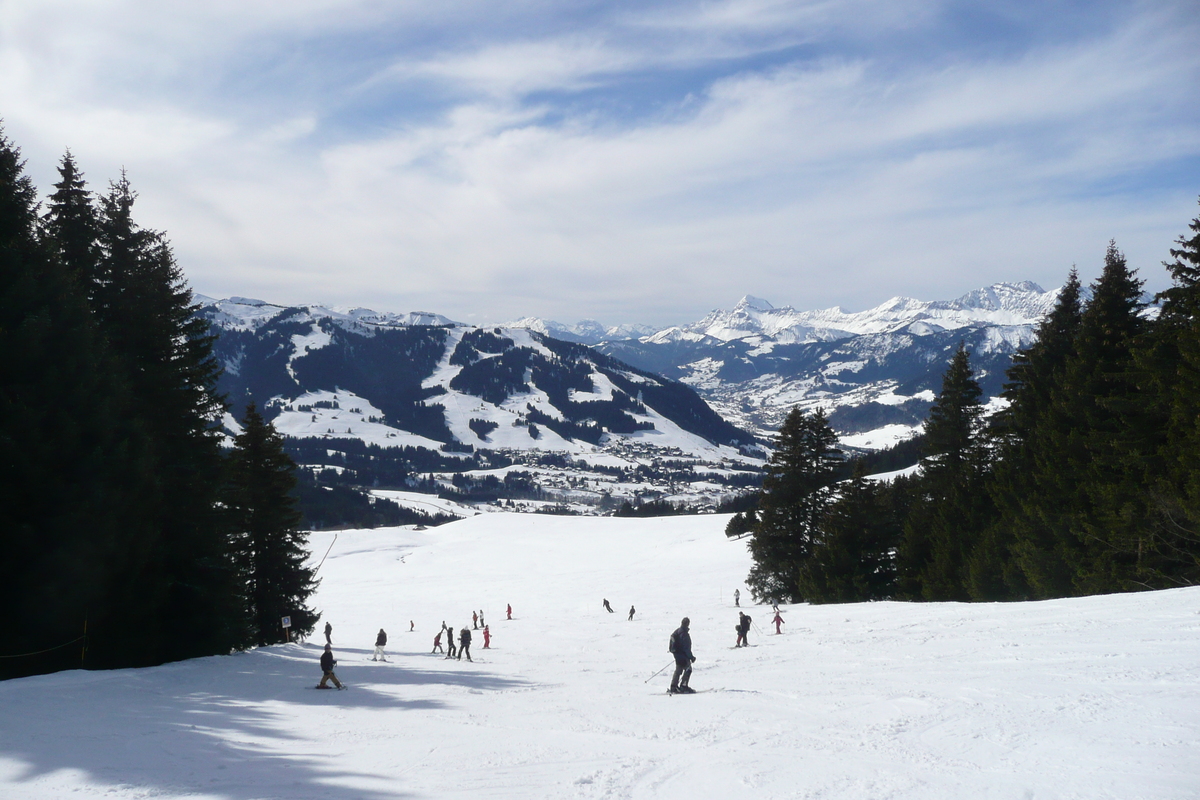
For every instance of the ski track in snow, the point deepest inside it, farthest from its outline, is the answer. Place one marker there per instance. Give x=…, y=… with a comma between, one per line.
x=1081, y=698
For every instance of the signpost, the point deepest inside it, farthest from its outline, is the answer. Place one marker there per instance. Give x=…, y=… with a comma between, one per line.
x=287, y=627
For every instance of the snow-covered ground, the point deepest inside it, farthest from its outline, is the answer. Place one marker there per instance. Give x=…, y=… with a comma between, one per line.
x=1085, y=698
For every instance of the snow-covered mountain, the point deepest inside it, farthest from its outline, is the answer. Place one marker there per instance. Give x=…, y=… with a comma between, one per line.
x=875, y=371
x=472, y=401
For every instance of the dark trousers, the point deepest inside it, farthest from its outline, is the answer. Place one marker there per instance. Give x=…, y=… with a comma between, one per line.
x=464, y=649
x=450, y=651
x=683, y=673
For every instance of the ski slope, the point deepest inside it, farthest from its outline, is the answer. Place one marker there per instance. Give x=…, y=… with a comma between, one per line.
x=1082, y=698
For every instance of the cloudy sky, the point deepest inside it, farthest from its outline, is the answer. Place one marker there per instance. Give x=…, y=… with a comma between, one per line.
x=624, y=161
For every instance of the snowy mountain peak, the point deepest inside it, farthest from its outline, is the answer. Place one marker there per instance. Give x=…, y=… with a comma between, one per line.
x=756, y=303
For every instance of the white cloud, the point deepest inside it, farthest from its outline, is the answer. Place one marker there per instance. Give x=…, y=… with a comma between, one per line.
x=811, y=181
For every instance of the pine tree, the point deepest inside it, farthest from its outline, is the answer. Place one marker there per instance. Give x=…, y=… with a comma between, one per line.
x=265, y=523
x=72, y=227
x=144, y=308
x=62, y=455
x=792, y=504
x=943, y=525
x=851, y=560
x=1113, y=439
x=1030, y=480
x=1171, y=361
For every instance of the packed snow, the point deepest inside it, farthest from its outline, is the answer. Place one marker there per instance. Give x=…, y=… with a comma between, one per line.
x=1081, y=698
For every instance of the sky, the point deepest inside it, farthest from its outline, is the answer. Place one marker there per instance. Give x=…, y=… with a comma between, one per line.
x=627, y=162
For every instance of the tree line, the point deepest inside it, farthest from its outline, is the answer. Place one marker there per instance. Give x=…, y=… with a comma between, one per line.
x=133, y=532
x=1087, y=482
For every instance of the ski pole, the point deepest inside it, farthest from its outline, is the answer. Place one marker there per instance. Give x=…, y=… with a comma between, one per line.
x=655, y=674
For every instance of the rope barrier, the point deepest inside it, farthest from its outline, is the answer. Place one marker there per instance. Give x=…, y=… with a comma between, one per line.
x=48, y=649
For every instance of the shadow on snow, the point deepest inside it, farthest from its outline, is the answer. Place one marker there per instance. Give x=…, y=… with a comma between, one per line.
x=224, y=725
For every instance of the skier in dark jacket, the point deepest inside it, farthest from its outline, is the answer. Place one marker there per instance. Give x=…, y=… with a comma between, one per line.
x=464, y=644
x=632, y=611
x=681, y=648
x=380, y=641
x=607, y=607
x=328, y=633
x=327, y=665
x=451, y=652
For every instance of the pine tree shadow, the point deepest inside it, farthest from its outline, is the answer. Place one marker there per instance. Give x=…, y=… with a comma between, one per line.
x=232, y=726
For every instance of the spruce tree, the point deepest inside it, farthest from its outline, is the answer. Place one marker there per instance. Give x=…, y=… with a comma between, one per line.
x=71, y=226
x=851, y=559
x=1030, y=481
x=265, y=523
x=1112, y=443
x=1171, y=360
x=942, y=528
x=144, y=308
x=792, y=503
x=63, y=500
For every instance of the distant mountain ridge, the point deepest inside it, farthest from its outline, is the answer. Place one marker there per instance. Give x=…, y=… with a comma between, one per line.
x=870, y=370
x=421, y=380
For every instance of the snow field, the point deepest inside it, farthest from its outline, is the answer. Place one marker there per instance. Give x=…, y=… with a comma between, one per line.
x=1082, y=698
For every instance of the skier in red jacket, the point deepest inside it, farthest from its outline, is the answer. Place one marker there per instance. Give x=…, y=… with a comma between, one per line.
x=778, y=621
x=487, y=637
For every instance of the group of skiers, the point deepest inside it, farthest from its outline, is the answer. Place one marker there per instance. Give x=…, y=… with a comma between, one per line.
x=464, y=638
x=680, y=644
x=463, y=649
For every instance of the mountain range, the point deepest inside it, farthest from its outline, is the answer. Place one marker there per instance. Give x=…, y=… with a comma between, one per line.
x=875, y=372
x=633, y=413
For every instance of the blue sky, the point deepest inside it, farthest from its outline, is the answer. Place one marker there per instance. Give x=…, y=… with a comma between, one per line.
x=628, y=162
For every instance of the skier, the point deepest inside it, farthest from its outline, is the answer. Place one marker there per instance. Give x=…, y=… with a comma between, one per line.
x=778, y=621
x=380, y=641
x=487, y=638
x=681, y=648
x=437, y=643
x=631, y=610
x=327, y=665
x=737, y=598
x=474, y=620
x=328, y=633
x=510, y=610
x=451, y=652
x=743, y=628
x=607, y=607
x=481, y=622
x=464, y=644
x=412, y=626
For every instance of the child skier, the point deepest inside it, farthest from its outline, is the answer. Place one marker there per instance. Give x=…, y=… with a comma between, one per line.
x=437, y=643
x=487, y=637
x=778, y=621
x=327, y=665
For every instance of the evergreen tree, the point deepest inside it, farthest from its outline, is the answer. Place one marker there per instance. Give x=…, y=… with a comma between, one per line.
x=1171, y=360
x=144, y=308
x=792, y=504
x=62, y=455
x=1030, y=482
x=72, y=227
x=942, y=528
x=851, y=559
x=1110, y=449
x=265, y=523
